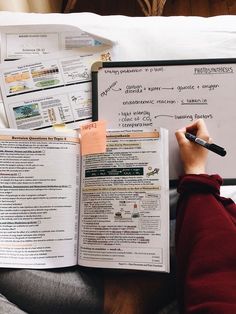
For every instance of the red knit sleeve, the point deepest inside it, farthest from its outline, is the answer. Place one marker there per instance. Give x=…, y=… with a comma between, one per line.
x=205, y=247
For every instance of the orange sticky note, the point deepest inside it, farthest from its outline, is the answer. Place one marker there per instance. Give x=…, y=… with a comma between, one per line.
x=93, y=138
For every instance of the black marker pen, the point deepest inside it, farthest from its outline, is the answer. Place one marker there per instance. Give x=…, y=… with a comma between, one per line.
x=212, y=147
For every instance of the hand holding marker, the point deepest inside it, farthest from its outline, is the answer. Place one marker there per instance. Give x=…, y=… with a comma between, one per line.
x=192, y=141
x=212, y=147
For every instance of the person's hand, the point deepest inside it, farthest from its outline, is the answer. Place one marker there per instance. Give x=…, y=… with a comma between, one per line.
x=194, y=156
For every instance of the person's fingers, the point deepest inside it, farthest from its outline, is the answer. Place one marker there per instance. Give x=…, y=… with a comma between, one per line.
x=180, y=135
x=202, y=130
x=210, y=140
x=199, y=128
x=195, y=126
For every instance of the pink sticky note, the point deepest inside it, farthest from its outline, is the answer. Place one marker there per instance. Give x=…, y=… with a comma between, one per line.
x=93, y=138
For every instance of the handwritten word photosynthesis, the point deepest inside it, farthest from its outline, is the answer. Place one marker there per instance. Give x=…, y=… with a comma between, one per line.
x=214, y=70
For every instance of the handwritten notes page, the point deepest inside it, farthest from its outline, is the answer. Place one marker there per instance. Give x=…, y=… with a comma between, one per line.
x=173, y=96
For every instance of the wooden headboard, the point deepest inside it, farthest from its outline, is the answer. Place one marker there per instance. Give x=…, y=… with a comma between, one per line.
x=172, y=7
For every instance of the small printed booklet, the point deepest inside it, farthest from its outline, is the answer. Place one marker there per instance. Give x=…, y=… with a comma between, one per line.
x=60, y=207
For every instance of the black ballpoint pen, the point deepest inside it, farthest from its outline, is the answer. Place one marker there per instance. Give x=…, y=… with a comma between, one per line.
x=212, y=147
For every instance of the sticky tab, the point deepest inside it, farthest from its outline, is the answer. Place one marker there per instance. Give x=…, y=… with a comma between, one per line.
x=93, y=138
x=59, y=127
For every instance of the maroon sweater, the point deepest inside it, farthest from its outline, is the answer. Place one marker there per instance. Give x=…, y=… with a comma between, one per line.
x=205, y=247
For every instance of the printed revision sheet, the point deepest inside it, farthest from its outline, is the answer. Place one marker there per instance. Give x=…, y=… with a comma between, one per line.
x=56, y=88
x=23, y=41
